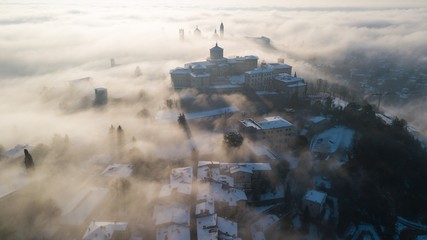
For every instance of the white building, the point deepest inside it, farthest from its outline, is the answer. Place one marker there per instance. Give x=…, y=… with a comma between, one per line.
x=107, y=231
x=260, y=79
x=291, y=86
x=275, y=131
x=315, y=202
x=213, y=71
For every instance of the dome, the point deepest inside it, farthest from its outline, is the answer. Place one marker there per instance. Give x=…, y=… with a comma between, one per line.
x=216, y=48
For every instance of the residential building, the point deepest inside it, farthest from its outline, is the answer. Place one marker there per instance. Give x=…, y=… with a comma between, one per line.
x=275, y=131
x=107, y=231
x=290, y=86
x=214, y=71
x=315, y=202
x=260, y=79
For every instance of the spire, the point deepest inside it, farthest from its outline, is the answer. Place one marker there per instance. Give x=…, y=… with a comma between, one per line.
x=295, y=75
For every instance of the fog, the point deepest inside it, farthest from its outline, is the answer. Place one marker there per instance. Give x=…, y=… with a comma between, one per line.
x=46, y=44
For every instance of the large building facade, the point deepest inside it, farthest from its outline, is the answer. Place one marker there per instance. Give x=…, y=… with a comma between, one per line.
x=214, y=70
x=275, y=131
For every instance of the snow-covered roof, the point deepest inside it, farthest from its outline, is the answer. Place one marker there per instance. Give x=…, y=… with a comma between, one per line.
x=175, y=212
x=83, y=203
x=17, y=151
x=287, y=78
x=199, y=75
x=251, y=57
x=212, y=173
x=103, y=230
x=211, y=113
x=260, y=150
x=118, y=170
x=206, y=172
x=206, y=207
x=299, y=84
x=200, y=67
x=274, y=122
x=180, y=71
x=338, y=102
x=331, y=140
x=278, y=66
x=207, y=227
x=227, y=227
x=181, y=180
x=251, y=166
x=315, y=196
x=173, y=232
x=316, y=119
x=204, y=163
x=250, y=123
x=220, y=193
x=386, y=119
x=229, y=195
x=203, y=63
x=172, y=116
x=260, y=70
x=235, y=169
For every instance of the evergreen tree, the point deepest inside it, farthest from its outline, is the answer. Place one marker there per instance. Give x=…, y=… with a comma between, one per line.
x=233, y=139
x=288, y=197
x=29, y=164
x=305, y=220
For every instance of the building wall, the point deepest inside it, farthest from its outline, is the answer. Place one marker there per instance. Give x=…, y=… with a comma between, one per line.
x=259, y=81
x=121, y=235
x=180, y=80
x=314, y=208
x=277, y=138
x=242, y=180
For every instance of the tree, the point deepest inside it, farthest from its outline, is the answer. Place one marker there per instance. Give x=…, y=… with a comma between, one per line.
x=29, y=164
x=328, y=102
x=233, y=139
x=120, y=136
x=181, y=120
x=399, y=123
x=288, y=197
x=305, y=220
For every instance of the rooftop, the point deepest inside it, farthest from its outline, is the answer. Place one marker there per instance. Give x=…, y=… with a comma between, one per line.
x=315, y=196
x=250, y=123
x=207, y=227
x=118, y=170
x=173, y=232
x=227, y=227
x=103, y=230
x=177, y=213
x=260, y=70
x=274, y=122
x=286, y=78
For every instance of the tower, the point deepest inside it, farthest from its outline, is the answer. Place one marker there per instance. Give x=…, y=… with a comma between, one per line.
x=113, y=62
x=197, y=32
x=221, y=30
x=181, y=34
x=215, y=35
x=101, y=96
x=216, y=53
